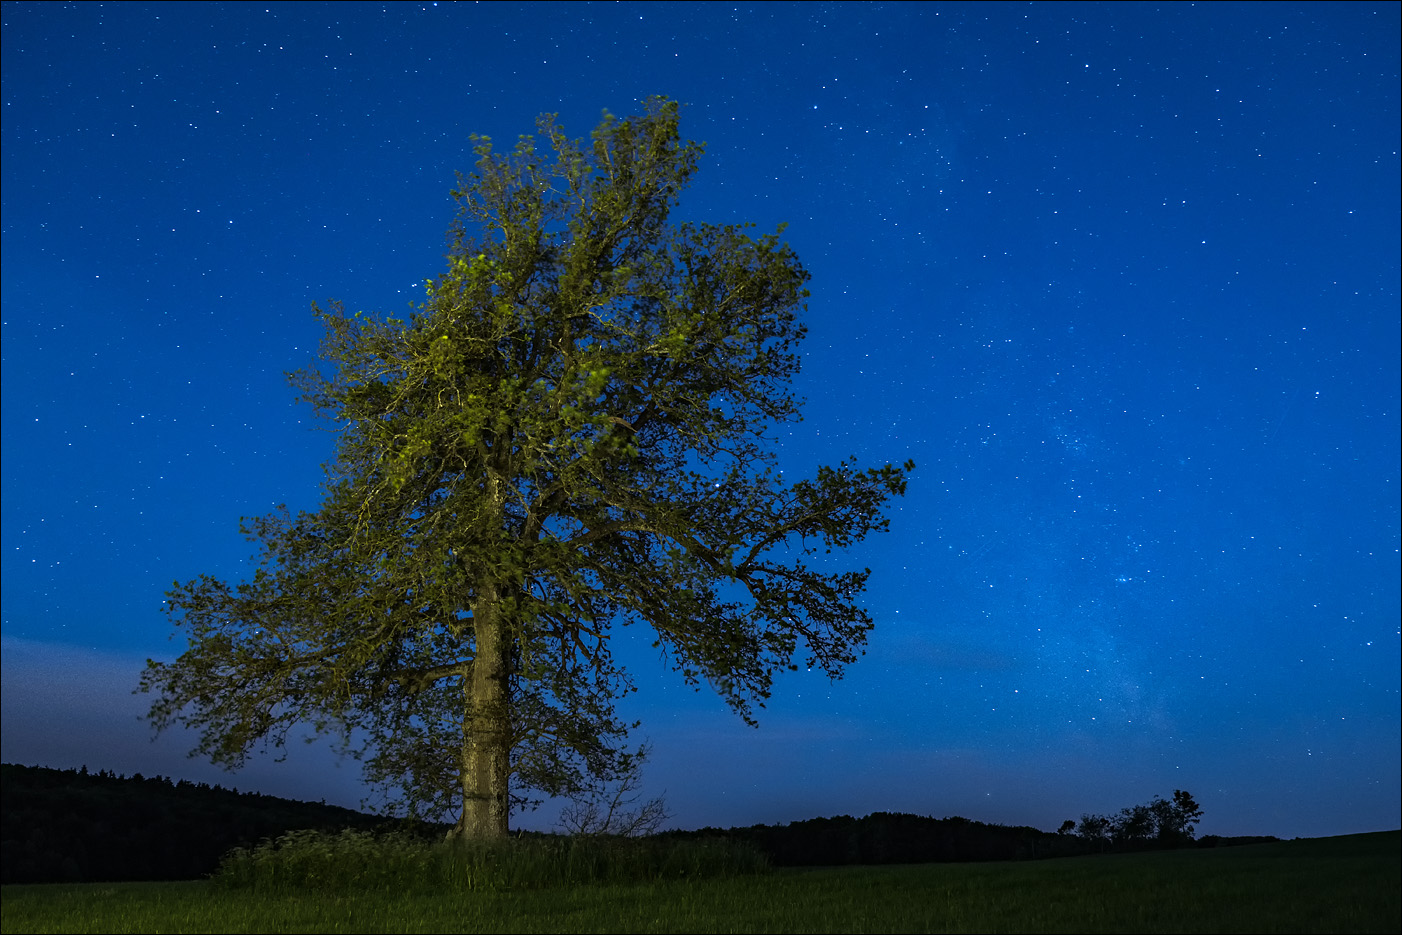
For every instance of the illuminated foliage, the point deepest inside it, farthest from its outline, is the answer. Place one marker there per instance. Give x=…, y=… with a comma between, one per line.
x=569, y=434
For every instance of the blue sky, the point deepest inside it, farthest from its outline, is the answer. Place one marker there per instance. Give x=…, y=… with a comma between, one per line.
x=1122, y=279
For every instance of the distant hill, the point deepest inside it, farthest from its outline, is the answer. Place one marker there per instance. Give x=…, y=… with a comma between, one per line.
x=896, y=838
x=76, y=826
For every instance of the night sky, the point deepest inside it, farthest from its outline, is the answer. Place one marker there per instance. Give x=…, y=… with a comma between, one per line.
x=1122, y=279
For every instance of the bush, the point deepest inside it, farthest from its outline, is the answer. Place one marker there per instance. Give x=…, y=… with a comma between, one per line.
x=357, y=860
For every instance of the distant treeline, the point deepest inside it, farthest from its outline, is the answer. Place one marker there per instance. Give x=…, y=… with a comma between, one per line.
x=886, y=838
x=73, y=826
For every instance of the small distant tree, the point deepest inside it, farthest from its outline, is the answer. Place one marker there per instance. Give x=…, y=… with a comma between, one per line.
x=1175, y=821
x=1133, y=825
x=1095, y=829
x=1067, y=826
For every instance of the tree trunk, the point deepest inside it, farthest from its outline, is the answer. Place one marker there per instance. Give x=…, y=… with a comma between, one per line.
x=485, y=762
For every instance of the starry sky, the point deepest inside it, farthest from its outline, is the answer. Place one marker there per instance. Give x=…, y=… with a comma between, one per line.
x=1122, y=279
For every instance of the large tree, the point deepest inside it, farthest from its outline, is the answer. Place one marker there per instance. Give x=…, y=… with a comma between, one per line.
x=569, y=434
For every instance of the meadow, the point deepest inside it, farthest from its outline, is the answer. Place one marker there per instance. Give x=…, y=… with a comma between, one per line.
x=1341, y=884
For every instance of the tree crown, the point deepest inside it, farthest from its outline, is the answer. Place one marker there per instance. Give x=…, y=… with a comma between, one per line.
x=570, y=432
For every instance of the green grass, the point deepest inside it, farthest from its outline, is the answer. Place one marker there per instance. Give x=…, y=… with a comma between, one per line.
x=1346, y=884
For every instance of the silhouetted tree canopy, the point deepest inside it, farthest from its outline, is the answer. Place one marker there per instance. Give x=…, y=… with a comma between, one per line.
x=1161, y=823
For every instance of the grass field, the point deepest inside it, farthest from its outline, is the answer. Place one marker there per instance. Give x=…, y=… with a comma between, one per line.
x=1343, y=884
